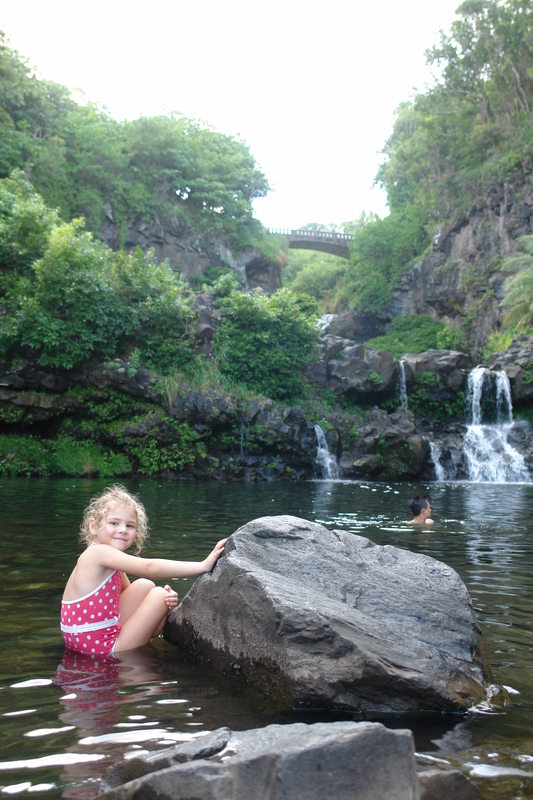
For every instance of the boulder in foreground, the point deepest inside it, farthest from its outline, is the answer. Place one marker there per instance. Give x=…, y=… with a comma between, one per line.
x=345, y=760
x=327, y=619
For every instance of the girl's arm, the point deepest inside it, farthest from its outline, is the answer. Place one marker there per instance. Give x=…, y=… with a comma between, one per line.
x=155, y=568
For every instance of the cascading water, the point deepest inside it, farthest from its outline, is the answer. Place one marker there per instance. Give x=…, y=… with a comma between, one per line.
x=403, y=385
x=488, y=455
x=325, y=461
x=440, y=472
x=243, y=428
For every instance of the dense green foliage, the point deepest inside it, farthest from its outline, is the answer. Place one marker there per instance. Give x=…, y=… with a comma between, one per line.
x=26, y=455
x=475, y=123
x=80, y=159
x=264, y=341
x=79, y=299
x=316, y=274
x=381, y=251
x=429, y=398
x=416, y=334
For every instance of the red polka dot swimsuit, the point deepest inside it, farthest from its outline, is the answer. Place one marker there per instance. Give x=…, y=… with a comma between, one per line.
x=91, y=623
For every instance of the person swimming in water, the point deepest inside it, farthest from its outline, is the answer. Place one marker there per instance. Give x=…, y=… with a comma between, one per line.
x=421, y=511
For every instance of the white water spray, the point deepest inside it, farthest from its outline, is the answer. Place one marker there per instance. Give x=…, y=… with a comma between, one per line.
x=403, y=385
x=325, y=461
x=440, y=472
x=489, y=457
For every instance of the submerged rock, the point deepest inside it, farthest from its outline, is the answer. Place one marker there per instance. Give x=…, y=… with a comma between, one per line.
x=327, y=619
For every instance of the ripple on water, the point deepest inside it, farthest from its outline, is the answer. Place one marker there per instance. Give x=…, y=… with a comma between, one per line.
x=62, y=734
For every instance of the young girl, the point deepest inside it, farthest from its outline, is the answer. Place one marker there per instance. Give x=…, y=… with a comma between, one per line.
x=101, y=611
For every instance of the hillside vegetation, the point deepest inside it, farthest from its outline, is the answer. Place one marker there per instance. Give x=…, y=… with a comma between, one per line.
x=448, y=143
x=82, y=161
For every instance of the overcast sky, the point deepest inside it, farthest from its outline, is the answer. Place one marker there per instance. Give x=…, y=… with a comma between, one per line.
x=311, y=88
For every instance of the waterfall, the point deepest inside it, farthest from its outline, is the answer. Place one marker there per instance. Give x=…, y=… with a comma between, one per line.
x=403, y=385
x=488, y=455
x=243, y=427
x=325, y=461
x=440, y=472
x=324, y=321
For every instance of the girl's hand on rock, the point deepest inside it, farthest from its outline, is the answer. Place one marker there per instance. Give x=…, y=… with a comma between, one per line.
x=171, y=598
x=215, y=554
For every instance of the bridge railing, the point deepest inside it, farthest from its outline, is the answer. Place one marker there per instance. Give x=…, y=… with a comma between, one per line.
x=305, y=233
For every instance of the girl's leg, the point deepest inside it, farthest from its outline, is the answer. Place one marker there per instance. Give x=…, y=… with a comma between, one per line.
x=145, y=622
x=132, y=597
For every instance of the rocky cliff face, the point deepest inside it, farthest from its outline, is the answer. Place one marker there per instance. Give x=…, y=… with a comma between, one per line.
x=460, y=282
x=190, y=253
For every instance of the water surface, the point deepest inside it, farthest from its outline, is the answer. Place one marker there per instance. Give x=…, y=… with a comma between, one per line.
x=64, y=720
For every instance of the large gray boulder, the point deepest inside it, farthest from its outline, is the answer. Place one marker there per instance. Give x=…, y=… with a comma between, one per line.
x=327, y=619
x=345, y=760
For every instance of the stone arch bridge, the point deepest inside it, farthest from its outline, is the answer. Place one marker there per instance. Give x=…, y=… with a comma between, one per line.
x=337, y=244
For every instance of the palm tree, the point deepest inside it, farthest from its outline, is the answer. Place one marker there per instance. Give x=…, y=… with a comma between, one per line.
x=518, y=288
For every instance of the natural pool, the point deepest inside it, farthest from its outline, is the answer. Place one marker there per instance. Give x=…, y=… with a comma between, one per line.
x=63, y=724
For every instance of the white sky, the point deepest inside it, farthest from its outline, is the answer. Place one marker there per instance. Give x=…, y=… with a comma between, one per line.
x=310, y=87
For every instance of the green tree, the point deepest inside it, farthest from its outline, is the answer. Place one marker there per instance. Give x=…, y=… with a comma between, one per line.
x=81, y=160
x=25, y=223
x=79, y=299
x=263, y=342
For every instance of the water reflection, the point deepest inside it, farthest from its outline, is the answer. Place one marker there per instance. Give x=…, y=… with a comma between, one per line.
x=95, y=687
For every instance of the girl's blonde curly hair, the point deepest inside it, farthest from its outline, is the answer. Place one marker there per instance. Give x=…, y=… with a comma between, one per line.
x=100, y=506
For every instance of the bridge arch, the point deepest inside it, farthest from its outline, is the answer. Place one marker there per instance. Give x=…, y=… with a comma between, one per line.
x=337, y=244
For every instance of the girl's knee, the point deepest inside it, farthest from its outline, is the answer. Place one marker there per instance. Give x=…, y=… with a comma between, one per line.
x=146, y=583
x=158, y=592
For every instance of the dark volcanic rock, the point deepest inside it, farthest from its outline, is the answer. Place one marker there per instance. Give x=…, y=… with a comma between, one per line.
x=192, y=253
x=327, y=619
x=517, y=363
x=345, y=760
x=449, y=366
x=350, y=368
x=387, y=446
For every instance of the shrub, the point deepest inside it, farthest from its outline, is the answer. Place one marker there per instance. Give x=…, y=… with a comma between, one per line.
x=416, y=334
x=263, y=342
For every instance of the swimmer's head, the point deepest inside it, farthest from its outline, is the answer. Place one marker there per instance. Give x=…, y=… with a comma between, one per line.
x=417, y=504
x=100, y=506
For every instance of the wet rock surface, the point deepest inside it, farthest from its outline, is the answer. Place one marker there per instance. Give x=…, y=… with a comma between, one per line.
x=345, y=760
x=439, y=784
x=326, y=619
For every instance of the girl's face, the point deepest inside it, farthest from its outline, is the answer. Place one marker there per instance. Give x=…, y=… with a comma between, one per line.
x=118, y=529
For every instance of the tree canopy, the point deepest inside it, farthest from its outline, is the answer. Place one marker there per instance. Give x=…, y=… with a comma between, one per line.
x=80, y=159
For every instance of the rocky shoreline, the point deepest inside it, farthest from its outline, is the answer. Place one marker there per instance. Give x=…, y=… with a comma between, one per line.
x=214, y=435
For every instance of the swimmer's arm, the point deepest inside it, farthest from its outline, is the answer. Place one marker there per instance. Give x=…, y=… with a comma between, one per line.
x=155, y=568
x=124, y=581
